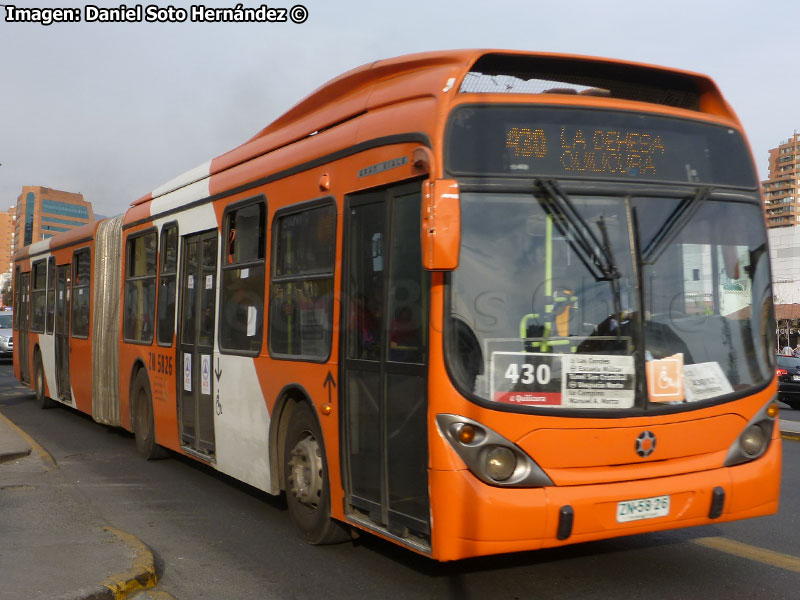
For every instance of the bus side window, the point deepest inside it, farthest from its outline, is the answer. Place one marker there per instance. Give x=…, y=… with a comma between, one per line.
x=301, y=296
x=140, y=288
x=167, y=284
x=241, y=320
x=51, y=293
x=81, y=270
x=38, y=290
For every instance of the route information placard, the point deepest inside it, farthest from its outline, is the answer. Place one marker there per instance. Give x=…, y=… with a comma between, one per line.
x=565, y=380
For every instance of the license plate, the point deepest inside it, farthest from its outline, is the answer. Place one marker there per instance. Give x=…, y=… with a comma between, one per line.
x=795, y=377
x=643, y=508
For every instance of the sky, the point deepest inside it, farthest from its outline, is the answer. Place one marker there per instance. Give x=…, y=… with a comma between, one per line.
x=113, y=110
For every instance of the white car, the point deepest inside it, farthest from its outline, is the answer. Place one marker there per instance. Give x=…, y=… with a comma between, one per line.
x=6, y=334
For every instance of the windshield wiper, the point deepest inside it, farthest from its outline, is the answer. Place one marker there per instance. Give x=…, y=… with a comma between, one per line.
x=673, y=225
x=594, y=254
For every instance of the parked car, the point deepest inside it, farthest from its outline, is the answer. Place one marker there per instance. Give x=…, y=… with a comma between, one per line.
x=788, y=370
x=6, y=334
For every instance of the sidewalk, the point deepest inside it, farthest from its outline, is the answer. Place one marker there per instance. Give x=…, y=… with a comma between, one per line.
x=790, y=427
x=53, y=547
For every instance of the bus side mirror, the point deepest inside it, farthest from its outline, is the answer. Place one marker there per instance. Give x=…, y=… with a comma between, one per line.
x=441, y=224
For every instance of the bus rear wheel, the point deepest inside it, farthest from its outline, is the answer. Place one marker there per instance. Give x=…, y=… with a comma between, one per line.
x=144, y=429
x=306, y=475
x=38, y=383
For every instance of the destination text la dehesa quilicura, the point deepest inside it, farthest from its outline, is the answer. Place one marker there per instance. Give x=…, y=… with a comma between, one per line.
x=154, y=13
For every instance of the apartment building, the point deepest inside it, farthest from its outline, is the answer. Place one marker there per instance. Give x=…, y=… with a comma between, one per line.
x=6, y=240
x=781, y=200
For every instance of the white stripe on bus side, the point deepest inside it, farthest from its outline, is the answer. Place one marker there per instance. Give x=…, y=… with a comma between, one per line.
x=180, y=197
x=201, y=171
x=241, y=421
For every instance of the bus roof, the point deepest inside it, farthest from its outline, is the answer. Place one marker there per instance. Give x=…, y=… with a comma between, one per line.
x=84, y=233
x=435, y=74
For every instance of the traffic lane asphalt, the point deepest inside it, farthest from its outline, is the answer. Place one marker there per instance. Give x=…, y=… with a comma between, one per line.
x=220, y=539
x=788, y=413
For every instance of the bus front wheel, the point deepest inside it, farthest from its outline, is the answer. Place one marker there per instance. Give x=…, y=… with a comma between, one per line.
x=306, y=475
x=144, y=429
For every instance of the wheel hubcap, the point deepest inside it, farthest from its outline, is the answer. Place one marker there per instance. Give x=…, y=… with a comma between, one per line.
x=305, y=471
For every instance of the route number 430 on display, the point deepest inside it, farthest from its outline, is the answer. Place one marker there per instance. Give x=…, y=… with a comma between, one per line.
x=528, y=374
x=526, y=378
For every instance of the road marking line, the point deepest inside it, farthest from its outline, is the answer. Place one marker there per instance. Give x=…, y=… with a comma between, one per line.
x=790, y=436
x=762, y=555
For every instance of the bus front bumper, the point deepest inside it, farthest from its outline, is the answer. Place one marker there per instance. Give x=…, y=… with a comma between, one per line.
x=471, y=518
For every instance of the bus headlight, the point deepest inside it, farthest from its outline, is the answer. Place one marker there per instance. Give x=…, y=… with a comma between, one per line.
x=500, y=463
x=755, y=437
x=489, y=456
x=752, y=440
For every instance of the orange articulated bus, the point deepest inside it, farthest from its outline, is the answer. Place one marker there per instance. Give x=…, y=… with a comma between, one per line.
x=472, y=302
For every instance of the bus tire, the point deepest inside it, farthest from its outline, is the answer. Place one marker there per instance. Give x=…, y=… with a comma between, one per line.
x=38, y=383
x=306, y=474
x=144, y=429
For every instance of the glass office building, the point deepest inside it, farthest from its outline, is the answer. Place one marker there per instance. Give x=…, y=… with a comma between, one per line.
x=43, y=212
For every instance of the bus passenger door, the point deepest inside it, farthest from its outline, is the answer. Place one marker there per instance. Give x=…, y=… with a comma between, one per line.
x=384, y=341
x=198, y=311
x=22, y=343
x=62, y=332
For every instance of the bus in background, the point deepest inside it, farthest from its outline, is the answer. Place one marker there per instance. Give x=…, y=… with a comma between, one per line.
x=65, y=321
x=472, y=302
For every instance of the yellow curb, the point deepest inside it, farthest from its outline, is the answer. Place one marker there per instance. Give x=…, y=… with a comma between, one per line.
x=50, y=462
x=790, y=436
x=141, y=576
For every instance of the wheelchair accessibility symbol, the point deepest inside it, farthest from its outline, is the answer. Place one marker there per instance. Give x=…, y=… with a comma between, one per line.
x=665, y=379
x=665, y=382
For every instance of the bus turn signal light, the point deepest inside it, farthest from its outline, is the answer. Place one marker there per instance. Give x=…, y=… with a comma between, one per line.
x=773, y=409
x=466, y=435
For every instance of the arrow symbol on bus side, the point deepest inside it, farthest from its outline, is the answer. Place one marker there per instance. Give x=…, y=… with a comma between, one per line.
x=330, y=384
x=218, y=371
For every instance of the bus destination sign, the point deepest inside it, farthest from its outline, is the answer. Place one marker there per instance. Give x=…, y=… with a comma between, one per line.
x=579, y=143
x=582, y=150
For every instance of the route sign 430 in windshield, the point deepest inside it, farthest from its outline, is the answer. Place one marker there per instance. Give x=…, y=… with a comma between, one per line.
x=567, y=380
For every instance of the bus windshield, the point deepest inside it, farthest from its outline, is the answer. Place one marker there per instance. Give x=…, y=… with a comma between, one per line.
x=542, y=315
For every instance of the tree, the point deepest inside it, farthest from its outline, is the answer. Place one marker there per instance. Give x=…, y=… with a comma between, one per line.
x=5, y=292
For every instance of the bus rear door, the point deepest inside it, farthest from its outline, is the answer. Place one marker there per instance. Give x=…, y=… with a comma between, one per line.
x=62, y=332
x=198, y=310
x=22, y=343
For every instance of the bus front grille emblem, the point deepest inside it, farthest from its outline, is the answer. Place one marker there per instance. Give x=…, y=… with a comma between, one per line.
x=645, y=444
